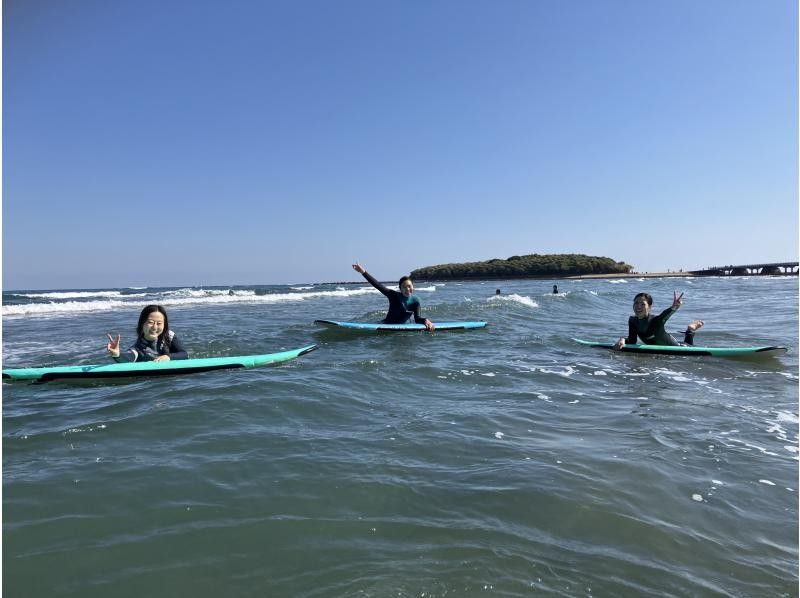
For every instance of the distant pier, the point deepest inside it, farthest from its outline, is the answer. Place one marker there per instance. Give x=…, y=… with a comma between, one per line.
x=774, y=269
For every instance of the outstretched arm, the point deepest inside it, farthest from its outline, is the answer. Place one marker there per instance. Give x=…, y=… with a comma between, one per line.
x=370, y=279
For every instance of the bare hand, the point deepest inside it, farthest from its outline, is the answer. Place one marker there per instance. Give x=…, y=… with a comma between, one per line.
x=677, y=300
x=429, y=326
x=162, y=358
x=619, y=344
x=113, y=345
x=358, y=268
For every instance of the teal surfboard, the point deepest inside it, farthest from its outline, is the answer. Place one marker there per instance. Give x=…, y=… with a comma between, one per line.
x=152, y=368
x=365, y=326
x=689, y=350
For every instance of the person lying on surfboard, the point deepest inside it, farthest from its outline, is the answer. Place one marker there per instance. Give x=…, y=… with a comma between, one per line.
x=155, y=341
x=650, y=328
x=402, y=305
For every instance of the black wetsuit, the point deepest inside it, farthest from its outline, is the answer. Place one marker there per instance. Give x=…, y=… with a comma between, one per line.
x=145, y=350
x=401, y=308
x=651, y=330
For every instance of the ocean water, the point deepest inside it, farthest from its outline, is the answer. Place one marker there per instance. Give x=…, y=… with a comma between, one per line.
x=508, y=461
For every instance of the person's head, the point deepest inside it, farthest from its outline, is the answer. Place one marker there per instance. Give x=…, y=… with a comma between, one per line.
x=642, y=304
x=406, y=286
x=153, y=323
x=497, y=292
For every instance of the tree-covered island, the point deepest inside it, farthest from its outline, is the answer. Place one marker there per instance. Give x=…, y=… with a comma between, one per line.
x=526, y=266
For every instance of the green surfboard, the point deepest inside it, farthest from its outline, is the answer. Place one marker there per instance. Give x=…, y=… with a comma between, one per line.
x=152, y=368
x=689, y=350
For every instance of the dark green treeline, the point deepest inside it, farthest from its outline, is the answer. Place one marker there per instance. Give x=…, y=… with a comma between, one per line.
x=526, y=266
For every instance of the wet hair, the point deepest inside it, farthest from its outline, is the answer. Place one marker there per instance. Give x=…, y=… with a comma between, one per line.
x=164, y=336
x=647, y=298
x=402, y=280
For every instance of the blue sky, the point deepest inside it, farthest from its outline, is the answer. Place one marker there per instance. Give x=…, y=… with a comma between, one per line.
x=261, y=142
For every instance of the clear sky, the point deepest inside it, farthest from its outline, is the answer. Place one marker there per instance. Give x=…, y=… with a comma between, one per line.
x=190, y=142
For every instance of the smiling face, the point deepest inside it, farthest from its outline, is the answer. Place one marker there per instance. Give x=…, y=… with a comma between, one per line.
x=407, y=288
x=641, y=306
x=153, y=326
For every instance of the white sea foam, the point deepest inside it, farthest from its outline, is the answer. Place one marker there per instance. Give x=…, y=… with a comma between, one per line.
x=527, y=301
x=618, y=281
x=786, y=417
x=676, y=376
x=566, y=372
x=177, y=298
x=75, y=294
x=69, y=307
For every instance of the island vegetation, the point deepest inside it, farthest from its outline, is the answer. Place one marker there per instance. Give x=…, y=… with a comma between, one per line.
x=526, y=266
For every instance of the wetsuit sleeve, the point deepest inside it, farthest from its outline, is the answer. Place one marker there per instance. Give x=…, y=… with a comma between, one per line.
x=665, y=315
x=176, y=348
x=417, y=318
x=371, y=280
x=128, y=355
x=633, y=333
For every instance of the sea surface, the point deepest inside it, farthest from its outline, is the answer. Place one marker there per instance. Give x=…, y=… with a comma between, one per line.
x=507, y=461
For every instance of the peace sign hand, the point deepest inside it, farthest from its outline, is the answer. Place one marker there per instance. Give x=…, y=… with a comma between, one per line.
x=113, y=345
x=677, y=300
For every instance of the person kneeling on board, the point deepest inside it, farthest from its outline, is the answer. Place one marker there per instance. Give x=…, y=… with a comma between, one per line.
x=644, y=325
x=402, y=305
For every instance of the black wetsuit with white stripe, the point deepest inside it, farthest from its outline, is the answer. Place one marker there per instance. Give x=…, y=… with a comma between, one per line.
x=145, y=350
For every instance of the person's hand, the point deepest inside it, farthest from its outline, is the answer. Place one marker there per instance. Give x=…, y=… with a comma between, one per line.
x=162, y=358
x=677, y=300
x=429, y=326
x=358, y=268
x=619, y=344
x=113, y=345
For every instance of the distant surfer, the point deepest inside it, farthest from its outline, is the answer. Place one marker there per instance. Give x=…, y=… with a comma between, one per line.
x=555, y=289
x=644, y=325
x=402, y=304
x=154, y=342
x=497, y=292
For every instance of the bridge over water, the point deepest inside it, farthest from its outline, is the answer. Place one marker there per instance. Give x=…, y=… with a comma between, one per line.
x=776, y=268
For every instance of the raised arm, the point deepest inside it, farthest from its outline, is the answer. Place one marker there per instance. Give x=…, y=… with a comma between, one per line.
x=370, y=279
